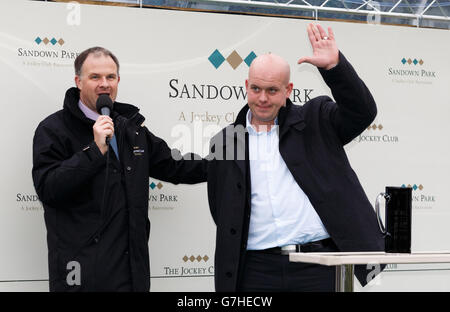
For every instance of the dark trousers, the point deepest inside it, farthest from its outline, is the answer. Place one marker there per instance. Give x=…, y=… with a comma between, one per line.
x=264, y=271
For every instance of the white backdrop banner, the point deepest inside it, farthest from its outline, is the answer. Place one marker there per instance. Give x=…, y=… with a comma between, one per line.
x=186, y=71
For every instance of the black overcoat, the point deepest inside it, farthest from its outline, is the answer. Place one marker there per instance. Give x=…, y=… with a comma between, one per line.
x=311, y=142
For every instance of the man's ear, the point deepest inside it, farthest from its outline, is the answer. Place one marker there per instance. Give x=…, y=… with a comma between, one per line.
x=77, y=81
x=289, y=88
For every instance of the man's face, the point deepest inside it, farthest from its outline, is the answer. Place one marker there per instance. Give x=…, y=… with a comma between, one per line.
x=98, y=76
x=267, y=89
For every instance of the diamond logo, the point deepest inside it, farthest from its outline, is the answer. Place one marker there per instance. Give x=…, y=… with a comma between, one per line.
x=375, y=127
x=414, y=187
x=249, y=59
x=38, y=40
x=216, y=58
x=410, y=61
x=153, y=185
x=234, y=59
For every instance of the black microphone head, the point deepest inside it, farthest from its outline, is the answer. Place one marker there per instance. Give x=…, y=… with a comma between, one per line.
x=104, y=104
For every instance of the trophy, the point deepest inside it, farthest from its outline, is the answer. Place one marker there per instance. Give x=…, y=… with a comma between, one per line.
x=398, y=205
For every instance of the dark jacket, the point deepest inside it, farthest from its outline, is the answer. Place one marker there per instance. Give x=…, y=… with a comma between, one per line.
x=311, y=142
x=103, y=229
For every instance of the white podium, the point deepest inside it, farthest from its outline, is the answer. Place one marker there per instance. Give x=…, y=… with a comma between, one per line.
x=345, y=261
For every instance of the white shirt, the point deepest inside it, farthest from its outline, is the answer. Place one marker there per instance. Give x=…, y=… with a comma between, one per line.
x=281, y=213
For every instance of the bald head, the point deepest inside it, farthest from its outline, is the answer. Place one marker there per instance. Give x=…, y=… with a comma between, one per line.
x=268, y=86
x=272, y=66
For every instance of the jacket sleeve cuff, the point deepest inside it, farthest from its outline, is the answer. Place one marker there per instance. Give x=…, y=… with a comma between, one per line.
x=93, y=152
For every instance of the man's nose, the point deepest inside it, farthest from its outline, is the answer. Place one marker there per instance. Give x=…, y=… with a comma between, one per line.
x=104, y=82
x=263, y=96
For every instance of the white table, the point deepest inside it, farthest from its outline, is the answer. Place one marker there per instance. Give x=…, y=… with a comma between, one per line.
x=345, y=261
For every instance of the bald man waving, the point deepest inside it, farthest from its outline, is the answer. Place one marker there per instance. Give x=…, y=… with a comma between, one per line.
x=280, y=180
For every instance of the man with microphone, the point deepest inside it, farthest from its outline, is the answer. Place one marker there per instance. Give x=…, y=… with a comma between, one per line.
x=91, y=173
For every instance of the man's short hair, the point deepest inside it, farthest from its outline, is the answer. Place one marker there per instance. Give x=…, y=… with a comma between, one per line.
x=79, y=61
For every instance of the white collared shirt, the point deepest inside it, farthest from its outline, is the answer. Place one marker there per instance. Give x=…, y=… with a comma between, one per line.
x=281, y=213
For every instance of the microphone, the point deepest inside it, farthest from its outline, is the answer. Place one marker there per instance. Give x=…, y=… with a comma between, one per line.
x=104, y=106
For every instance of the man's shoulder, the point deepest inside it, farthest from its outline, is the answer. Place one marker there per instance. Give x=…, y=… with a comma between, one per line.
x=314, y=106
x=314, y=102
x=52, y=121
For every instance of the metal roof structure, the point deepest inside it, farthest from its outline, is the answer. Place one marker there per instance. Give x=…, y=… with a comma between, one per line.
x=418, y=13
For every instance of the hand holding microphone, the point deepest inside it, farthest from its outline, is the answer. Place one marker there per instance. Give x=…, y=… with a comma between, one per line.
x=104, y=126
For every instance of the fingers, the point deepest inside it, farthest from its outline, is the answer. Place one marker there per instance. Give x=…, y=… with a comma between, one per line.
x=103, y=127
x=330, y=33
x=322, y=32
x=304, y=60
x=315, y=31
x=311, y=36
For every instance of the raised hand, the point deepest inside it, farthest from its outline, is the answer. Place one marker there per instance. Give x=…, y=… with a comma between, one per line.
x=325, y=52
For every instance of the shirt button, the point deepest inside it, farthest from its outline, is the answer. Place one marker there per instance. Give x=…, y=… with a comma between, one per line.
x=229, y=274
x=96, y=239
x=239, y=185
x=128, y=168
x=126, y=253
x=233, y=231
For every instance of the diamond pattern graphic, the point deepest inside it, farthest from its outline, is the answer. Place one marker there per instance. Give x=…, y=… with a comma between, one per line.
x=153, y=185
x=414, y=187
x=234, y=59
x=216, y=58
x=38, y=40
x=410, y=61
x=375, y=127
x=249, y=59
x=192, y=258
